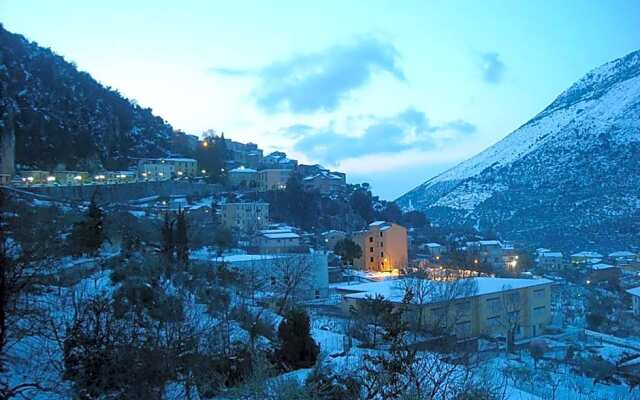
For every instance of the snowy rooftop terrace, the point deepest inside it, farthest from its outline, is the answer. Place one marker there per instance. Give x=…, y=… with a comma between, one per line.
x=393, y=289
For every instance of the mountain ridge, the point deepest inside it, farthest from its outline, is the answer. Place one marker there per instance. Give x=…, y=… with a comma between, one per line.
x=596, y=121
x=62, y=117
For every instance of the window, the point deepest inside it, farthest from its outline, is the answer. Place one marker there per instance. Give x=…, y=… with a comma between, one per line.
x=273, y=281
x=317, y=293
x=380, y=234
x=538, y=294
x=370, y=249
x=463, y=329
x=494, y=305
x=381, y=244
x=371, y=259
x=538, y=312
x=382, y=254
x=370, y=239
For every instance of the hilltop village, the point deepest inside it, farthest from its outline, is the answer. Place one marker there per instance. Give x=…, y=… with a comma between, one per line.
x=258, y=238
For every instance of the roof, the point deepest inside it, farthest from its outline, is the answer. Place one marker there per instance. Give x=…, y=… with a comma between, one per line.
x=588, y=254
x=601, y=266
x=377, y=223
x=622, y=254
x=281, y=235
x=433, y=245
x=551, y=254
x=243, y=170
x=392, y=289
x=634, y=291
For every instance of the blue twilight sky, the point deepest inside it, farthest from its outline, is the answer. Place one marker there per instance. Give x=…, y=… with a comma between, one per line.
x=390, y=92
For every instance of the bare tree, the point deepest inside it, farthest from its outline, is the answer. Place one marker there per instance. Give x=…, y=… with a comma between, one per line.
x=291, y=276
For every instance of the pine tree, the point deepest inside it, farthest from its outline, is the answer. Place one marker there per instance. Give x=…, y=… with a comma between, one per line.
x=181, y=240
x=168, y=244
x=297, y=347
x=88, y=235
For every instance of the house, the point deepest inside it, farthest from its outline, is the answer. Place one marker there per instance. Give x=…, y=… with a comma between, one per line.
x=332, y=237
x=325, y=182
x=602, y=273
x=384, y=247
x=243, y=178
x=467, y=308
x=71, y=177
x=268, y=272
x=550, y=260
x=623, y=258
x=273, y=179
x=277, y=240
x=435, y=250
x=244, y=217
x=277, y=160
x=585, y=257
x=635, y=300
x=491, y=252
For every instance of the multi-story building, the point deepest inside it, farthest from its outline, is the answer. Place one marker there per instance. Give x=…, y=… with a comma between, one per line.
x=243, y=178
x=491, y=252
x=550, y=260
x=277, y=160
x=434, y=249
x=244, y=154
x=155, y=171
x=181, y=166
x=469, y=307
x=273, y=179
x=384, y=247
x=325, y=182
x=244, y=217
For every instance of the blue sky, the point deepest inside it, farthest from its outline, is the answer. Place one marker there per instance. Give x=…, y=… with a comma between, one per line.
x=390, y=92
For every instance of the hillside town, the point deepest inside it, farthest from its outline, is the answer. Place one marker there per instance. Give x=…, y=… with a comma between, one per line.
x=509, y=304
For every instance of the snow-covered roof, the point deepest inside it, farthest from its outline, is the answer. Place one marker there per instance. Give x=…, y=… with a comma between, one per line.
x=587, y=254
x=243, y=170
x=634, y=291
x=433, y=245
x=281, y=235
x=377, y=223
x=601, y=266
x=622, y=254
x=392, y=289
x=551, y=254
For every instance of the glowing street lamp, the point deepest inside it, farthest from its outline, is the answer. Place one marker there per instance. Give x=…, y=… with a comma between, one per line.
x=30, y=179
x=204, y=171
x=179, y=173
x=51, y=179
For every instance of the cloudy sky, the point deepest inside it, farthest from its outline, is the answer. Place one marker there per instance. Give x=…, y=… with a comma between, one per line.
x=390, y=92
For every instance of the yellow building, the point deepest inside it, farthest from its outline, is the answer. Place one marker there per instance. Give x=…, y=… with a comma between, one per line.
x=384, y=247
x=71, y=177
x=155, y=171
x=469, y=307
x=34, y=177
x=175, y=167
x=244, y=217
x=273, y=179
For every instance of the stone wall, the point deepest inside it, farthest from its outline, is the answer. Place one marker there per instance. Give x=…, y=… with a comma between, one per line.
x=122, y=192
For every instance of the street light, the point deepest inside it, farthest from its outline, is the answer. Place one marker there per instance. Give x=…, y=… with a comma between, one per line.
x=204, y=171
x=51, y=178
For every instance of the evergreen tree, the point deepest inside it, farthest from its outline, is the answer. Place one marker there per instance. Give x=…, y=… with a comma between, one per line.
x=222, y=240
x=181, y=240
x=88, y=235
x=297, y=348
x=168, y=245
x=347, y=249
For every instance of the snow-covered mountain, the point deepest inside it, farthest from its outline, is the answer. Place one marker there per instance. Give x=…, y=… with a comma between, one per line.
x=569, y=178
x=59, y=115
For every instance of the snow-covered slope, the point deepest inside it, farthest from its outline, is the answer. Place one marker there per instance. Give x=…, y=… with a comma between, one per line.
x=572, y=164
